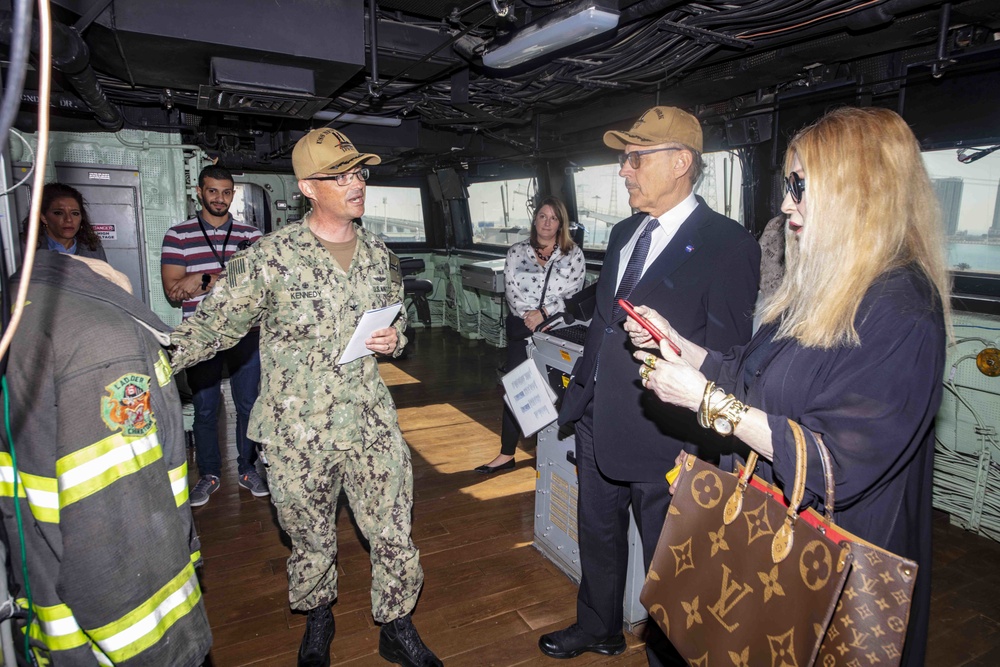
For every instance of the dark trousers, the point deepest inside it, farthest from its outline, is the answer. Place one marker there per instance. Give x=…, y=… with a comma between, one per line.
x=205, y=378
x=510, y=432
x=603, y=531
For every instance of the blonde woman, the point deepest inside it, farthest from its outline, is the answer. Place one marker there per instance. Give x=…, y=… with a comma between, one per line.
x=852, y=343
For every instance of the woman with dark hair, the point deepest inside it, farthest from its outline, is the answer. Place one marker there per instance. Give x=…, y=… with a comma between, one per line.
x=538, y=275
x=851, y=344
x=66, y=226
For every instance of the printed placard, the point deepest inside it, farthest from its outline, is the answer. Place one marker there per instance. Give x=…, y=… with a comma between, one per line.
x=530, y=398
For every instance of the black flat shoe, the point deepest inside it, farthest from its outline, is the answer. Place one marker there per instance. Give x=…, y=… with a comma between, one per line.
x=489, y=470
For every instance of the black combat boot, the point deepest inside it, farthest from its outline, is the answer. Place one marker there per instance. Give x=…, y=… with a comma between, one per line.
x=399, y=643
x=315, y=648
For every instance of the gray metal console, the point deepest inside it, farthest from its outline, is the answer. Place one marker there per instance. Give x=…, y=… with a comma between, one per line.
x=556, y=489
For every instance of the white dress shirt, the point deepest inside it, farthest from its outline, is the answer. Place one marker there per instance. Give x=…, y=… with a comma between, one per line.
x=670, y=222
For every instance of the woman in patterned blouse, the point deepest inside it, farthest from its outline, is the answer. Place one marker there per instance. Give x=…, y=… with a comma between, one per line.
x=539, y=274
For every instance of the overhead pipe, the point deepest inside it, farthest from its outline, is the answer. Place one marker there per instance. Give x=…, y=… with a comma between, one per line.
x=863, y=19
x=937, y=69
x=884, y=13
x=20, y=40
x=71, y=56
x=646, y=8
x=373, y=88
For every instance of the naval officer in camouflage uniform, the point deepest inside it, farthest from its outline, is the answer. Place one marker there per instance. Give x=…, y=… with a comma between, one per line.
x=324, y=426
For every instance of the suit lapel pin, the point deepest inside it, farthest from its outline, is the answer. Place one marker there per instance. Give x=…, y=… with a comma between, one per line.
x=689, y=248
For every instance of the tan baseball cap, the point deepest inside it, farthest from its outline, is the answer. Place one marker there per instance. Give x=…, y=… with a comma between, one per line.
x=327, y=151
x=659, y=125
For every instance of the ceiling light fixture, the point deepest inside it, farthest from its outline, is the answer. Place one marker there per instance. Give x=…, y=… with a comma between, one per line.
x=563, y=27
x=360, y=119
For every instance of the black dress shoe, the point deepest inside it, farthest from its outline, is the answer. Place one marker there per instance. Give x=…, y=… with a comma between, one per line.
x=315, y=648
x=399, y=642
x=489, y=470
x=573, y=641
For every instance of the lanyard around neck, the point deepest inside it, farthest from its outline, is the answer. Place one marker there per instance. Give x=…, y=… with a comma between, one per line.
x=211, y=246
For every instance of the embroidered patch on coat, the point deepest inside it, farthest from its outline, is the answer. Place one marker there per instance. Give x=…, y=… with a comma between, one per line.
x=127, y=405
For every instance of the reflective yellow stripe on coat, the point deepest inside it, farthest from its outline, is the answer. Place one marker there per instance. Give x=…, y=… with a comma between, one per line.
x=56, y=628
x=91, y=469
x=42, y=492
x=125, y=638
x=145, y=625
x=179, y=483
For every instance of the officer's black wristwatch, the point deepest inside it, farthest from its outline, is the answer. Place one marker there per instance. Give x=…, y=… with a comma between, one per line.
x=206, y=278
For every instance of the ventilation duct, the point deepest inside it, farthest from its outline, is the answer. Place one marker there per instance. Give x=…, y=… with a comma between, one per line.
x=239, y=86
x=71, y=57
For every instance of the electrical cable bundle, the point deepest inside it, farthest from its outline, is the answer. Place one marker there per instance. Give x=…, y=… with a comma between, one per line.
x=967, y=485
x=21, y=39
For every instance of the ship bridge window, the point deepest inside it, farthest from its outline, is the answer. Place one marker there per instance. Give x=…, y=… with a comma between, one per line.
x=969, y=194
x=251, y=206
x=396, y=214
x=602, y=200
x=501, y=210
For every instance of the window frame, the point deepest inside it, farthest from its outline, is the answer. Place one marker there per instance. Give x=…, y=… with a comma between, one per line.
x=513, y=175
x=426, y=202
x=971, y=291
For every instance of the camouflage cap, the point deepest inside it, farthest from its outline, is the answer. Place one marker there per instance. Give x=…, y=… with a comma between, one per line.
x=327, y=151
x=659, y=125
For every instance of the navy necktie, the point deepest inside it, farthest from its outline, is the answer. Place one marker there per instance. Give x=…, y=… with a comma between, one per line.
x=633, y=270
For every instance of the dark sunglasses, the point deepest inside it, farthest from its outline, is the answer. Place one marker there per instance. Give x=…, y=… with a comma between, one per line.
x=795, y=185
x=634, y=158
x=343, y=179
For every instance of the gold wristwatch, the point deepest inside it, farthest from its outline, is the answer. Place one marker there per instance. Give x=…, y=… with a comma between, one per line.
x=729, y=414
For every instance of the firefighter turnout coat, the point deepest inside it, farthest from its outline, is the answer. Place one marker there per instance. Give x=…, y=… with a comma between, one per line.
x=102, y=479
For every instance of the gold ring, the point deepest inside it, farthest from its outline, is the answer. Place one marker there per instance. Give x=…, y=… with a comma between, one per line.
x=644, y=372
x=650, y=361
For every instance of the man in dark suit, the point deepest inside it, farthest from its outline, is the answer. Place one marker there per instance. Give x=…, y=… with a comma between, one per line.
x=701, y=270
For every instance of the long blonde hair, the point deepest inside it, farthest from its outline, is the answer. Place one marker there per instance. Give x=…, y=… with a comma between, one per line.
x=870, y=208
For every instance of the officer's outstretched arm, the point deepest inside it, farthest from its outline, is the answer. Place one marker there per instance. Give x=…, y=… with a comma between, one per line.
x=233, y=306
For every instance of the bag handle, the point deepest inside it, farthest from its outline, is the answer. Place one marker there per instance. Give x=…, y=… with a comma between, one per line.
x=781, y=545
x=827, y=461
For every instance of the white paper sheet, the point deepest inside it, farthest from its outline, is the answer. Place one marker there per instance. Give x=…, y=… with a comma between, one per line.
x=371, y=321
x=530, y=397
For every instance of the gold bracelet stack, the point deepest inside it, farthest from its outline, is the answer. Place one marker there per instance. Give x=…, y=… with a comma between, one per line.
x=703, y=411
x=723, y=416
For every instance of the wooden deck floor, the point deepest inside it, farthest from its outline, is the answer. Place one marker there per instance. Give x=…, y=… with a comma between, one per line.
x=488, y=594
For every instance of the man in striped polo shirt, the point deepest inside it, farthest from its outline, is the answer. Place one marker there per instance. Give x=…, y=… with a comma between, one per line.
x=194, y=254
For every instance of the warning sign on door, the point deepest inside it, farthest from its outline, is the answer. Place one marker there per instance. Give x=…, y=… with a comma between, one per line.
x=105, y=232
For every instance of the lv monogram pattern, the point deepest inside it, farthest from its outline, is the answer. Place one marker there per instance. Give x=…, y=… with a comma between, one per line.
x=869, y=624
x=715, y=589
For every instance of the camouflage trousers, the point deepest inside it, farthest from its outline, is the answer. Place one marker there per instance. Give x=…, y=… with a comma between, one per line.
x=378, y=482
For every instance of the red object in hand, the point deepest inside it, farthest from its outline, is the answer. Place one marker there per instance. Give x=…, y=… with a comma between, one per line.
x=645, y=324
